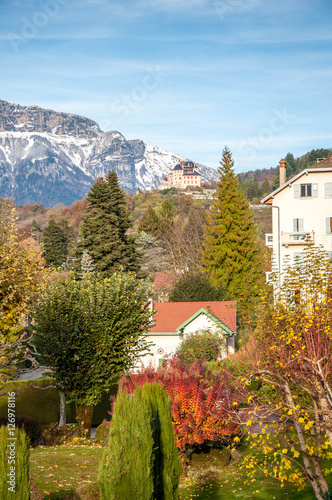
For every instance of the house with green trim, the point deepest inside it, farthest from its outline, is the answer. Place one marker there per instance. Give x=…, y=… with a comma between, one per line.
x=172, y=321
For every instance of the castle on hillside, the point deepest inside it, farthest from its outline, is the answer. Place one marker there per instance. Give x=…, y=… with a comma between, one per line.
x=183, y=174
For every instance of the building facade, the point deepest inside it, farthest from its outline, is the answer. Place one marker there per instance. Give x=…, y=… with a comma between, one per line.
x=301, y=214
x=172, y=321
x=183, y=174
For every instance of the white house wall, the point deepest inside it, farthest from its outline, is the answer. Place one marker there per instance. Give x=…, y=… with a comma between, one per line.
x=313, y=210
x=166, y=344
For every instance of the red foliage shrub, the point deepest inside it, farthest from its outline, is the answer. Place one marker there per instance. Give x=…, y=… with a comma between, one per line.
x=201, y=402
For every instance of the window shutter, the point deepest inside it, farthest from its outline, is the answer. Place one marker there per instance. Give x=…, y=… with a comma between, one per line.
x=328, y=189
x=328, y=225
x=295, y=225
x=315, y=190
x=296, y=190
x=301, y=225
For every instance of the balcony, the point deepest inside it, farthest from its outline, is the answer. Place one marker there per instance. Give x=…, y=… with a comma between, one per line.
x=269, y=240
x=300, y=238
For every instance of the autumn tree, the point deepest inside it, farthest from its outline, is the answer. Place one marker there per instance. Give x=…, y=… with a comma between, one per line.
x=20, y=270
x=291, y=359
x=105, y=227
x=231, y=250
x=150, y=222
x=89, y=331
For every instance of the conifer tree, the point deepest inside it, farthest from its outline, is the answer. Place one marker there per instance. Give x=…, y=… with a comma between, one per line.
x=150, y=222
x=141, y=460
x=55, y=244
x=231, y=251
x=105, y=225
x=87, y=265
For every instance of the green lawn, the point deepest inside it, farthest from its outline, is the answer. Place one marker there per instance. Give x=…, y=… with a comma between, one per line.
x=60, y=472
x=70, y=472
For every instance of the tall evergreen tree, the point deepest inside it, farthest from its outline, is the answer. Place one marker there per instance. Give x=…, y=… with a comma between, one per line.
x=231, y=251
x=55, y=244
x=290, y=165
x=105, y=225
x=150, y=222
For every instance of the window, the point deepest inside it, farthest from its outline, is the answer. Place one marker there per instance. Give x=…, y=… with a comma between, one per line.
x=328, y=225
x=298, y=257
x=328, y=189
x=298, y=225
x=305, y=190
x=329, y=255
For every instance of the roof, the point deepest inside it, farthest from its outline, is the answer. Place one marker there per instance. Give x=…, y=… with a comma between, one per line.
x=322, y=166
x=171, y=315
x=177, y=167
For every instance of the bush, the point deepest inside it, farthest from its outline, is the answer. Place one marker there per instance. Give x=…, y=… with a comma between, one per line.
x=30, y=427
x=31, y=400
x=201, y=346
x=141, y=460
x=103, y=433
x=53, y=435
x=14, y=454
x=201, y=402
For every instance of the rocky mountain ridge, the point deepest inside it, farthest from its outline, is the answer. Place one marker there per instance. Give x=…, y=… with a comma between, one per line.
x=49, y=157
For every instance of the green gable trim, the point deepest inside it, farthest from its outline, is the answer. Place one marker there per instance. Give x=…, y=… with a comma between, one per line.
x=227, y=331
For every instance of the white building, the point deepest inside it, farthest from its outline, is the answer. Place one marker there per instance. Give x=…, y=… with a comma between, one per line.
x=301, y=213
x=174, y=320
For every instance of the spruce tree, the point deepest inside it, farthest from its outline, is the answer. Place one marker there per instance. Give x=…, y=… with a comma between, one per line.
x=150, y=222
x=17, y=484
x=55, y=244
x=231, y=251
x=104, y=227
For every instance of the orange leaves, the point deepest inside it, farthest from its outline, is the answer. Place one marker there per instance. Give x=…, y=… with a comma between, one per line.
x=200, y=401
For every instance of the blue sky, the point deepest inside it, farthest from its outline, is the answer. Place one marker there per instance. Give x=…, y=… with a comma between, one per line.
x=190, y=76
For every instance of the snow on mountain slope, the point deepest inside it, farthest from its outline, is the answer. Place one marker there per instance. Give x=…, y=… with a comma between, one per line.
x=49, y=157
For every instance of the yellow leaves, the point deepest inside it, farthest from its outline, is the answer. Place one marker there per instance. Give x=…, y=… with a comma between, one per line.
x=296, y=454
x=284, y=451
x=290, y=412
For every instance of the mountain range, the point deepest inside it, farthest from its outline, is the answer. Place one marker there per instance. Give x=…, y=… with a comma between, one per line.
x=50, y=157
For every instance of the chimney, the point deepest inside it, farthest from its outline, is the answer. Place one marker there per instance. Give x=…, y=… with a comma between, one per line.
x=150, y=304
x=282, y=172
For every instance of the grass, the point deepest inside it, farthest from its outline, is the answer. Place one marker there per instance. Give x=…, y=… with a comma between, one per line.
x=70, y=472
x=64, y=472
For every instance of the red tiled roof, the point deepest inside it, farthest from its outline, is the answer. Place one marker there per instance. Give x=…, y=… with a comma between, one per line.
x=171, y=315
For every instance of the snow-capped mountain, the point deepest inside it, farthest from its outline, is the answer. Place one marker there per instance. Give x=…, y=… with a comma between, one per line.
x=49, y=157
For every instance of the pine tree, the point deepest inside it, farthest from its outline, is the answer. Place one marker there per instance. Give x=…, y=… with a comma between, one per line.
x=196, y=286
x=150, y=222
x=265, y=188
x=290, y=165
x=55, y=244
x=231, y=251
x=105, y=225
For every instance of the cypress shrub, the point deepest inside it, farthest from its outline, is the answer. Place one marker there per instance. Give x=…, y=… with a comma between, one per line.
x=126, y=468
x=14, y=465
x=166, y=461
x=141, y=461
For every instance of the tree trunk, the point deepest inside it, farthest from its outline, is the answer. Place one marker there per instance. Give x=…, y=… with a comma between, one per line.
x=312, y=478
x=84, y=419
x=62, y=418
